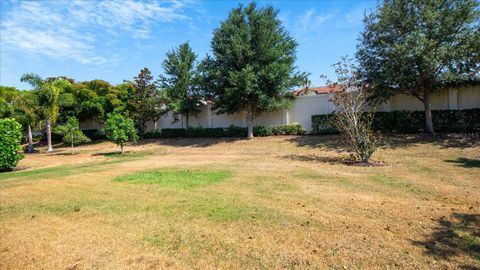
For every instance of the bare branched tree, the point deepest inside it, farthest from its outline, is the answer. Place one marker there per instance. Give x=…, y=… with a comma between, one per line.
x=353, y=113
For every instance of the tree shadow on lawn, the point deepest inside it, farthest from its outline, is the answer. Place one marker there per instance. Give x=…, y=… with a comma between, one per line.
x=465, y=162
x=315, y=158
x=190, y=142
x=330, y=142
x=391, y=141
x=459, y=236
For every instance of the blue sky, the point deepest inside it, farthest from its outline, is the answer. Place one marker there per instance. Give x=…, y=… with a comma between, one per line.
x=113, y=40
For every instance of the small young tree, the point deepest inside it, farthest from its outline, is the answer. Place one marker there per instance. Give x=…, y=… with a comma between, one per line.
x=120, y=129
x=10, y=138
x=353, y=114
x=71, y=133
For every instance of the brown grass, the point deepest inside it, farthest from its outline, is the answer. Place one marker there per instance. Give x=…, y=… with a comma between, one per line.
x=289, y=202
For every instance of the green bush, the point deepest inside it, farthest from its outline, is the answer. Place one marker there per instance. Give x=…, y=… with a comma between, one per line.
x=213, y=132
x=234, y=131
x=10, y=139
x=120, y=129
x=321, y=124
x=231, y=131
x=173, y=132
x=411, y=121
x=262, y=131
x=152, y=134
x=290, y=129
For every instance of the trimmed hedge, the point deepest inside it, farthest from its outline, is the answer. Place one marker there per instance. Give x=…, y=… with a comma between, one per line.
x=291, y=129
x=411, y=121
x=232, y=131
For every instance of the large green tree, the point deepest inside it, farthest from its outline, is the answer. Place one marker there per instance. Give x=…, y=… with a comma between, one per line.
x=48, y=93
x=181, y=83
x=146, y=102
x=417, y=47
x=252, y=67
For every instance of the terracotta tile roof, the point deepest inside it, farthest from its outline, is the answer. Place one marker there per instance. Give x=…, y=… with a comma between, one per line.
x=318, y=90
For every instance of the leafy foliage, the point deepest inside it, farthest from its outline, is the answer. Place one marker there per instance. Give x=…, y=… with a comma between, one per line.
x=47, y=92
x=410, y=121
x=146, y=102
x=181, y=83
x=10, y=138
x=71, y=133
x=120, y=129
x=418, y=47
x=253, y=63
x=232, y=131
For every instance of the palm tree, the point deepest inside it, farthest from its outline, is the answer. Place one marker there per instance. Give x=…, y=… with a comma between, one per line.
x=27, y=112
x=48, y=92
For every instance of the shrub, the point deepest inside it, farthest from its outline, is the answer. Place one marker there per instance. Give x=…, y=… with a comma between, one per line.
x=152, y=134
x=231, y=131
x=234, y=131
x=10, y=138
x=411, y=121
x=321, y=124
x=173, y=132
x=120, y=129
x=213, y=132
x=290, y=129
x=71, y=133
x=262, y=131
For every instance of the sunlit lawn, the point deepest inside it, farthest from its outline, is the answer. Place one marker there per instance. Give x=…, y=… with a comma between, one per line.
x=277, y=202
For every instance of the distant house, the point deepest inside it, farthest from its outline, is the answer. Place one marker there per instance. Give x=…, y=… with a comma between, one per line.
x=320, y=90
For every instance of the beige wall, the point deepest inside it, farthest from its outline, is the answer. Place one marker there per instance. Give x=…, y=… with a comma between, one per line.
x=450, y=99
x=306, y=106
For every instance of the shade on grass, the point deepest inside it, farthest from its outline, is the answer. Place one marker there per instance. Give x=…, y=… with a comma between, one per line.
x=175, y=178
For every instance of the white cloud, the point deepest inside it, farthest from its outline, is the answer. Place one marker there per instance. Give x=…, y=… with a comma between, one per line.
x=310, y=21
x=69, y=30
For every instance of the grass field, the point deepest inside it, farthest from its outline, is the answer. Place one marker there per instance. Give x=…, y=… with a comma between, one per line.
x=276, y=202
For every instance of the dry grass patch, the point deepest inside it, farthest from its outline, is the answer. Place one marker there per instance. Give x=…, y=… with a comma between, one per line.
x=274, y=202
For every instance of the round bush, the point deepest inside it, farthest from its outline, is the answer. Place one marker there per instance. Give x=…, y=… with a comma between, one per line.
x=10, y=138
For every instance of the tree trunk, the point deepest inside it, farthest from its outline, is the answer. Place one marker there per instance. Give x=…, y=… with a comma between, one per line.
x=49, y=137
x=428, y=111
x=73, y=150
x=186, y=120
x=30, y=140
x=121, y=147
x=250, y=122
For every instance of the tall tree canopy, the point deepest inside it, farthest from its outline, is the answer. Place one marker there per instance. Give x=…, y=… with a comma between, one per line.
x=146, y=103
x=417, y=47
x=253, y=64
x=180, y=83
